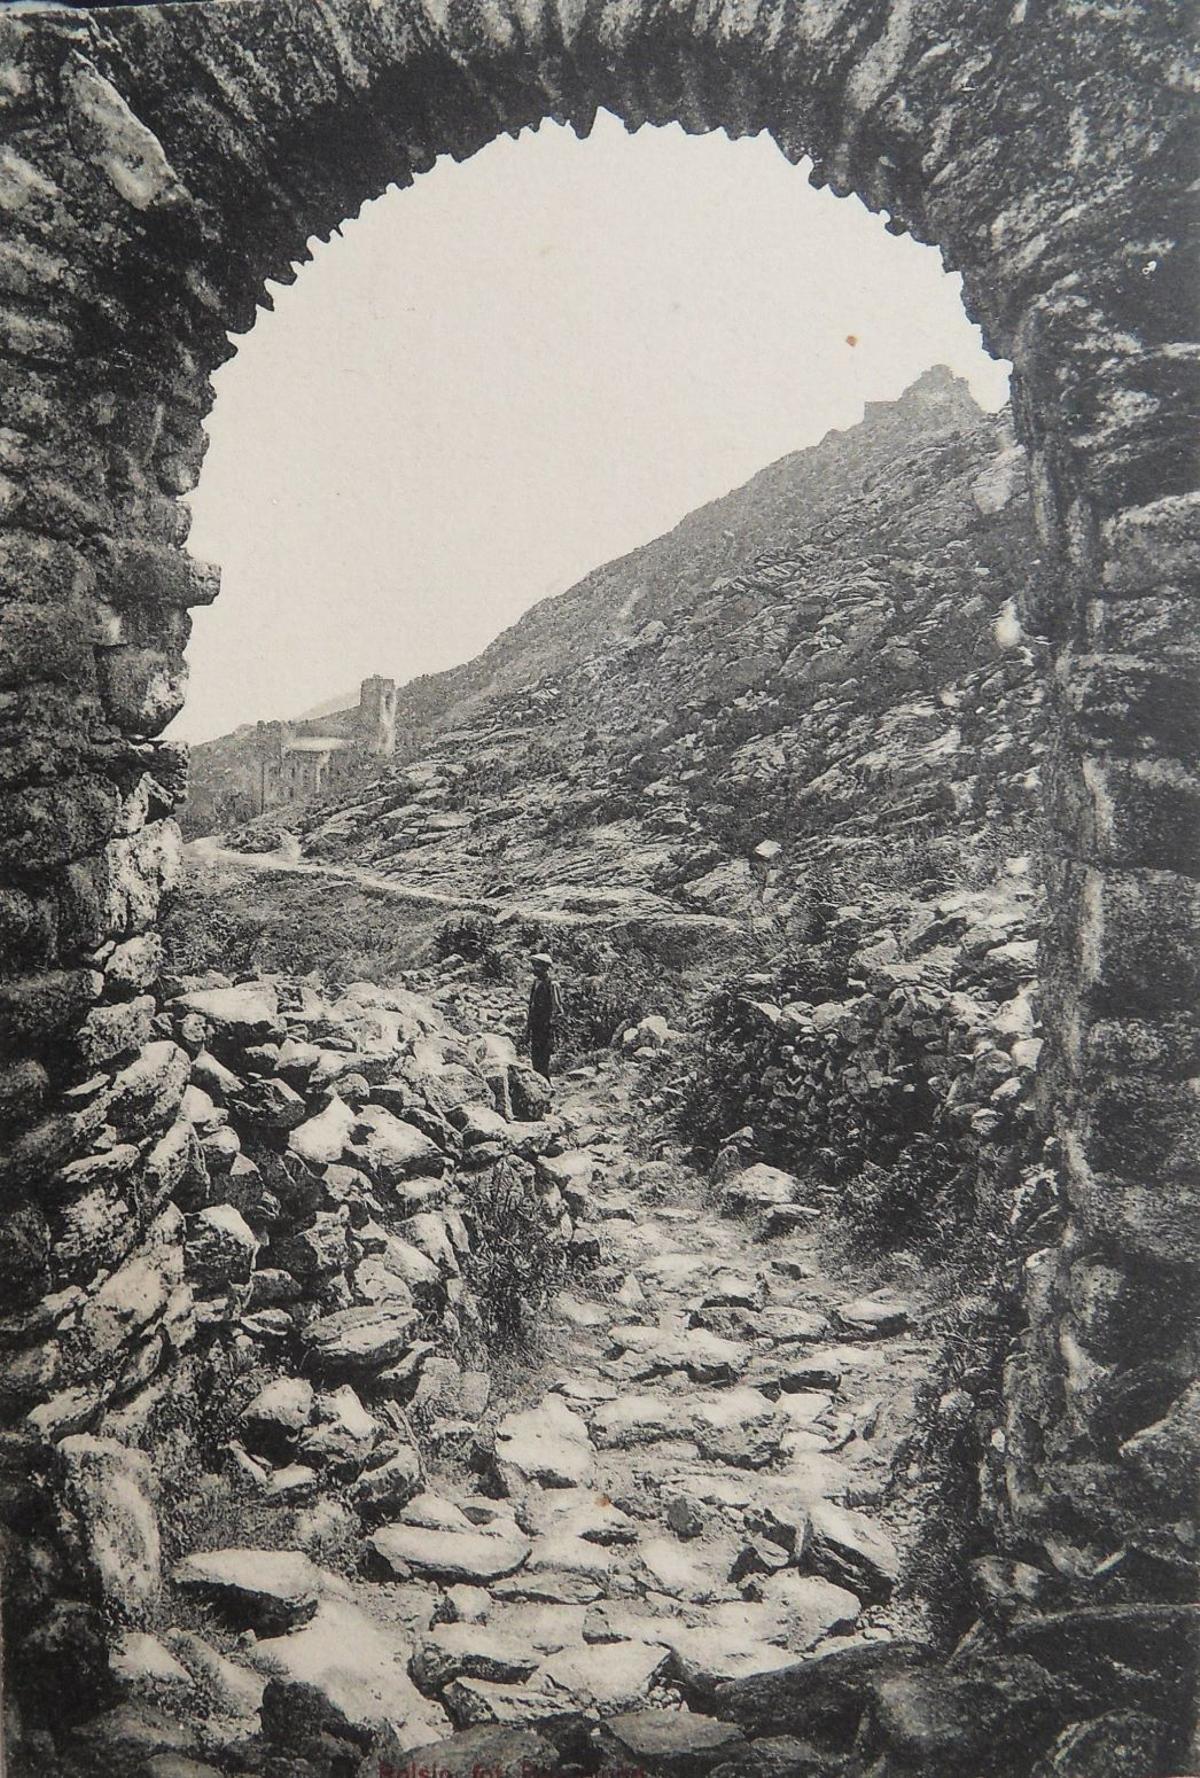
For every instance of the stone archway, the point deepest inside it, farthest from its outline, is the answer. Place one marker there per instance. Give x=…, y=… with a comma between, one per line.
x=162, y=164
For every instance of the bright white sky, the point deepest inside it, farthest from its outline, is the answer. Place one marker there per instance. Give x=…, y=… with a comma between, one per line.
x=518, y=369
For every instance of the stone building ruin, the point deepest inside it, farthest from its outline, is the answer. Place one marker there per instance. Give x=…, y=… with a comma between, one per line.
x=288, y=762
x=160, y=165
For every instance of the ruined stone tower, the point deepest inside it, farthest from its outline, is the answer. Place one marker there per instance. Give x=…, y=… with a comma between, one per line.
x=266, y=765
x=376, y=727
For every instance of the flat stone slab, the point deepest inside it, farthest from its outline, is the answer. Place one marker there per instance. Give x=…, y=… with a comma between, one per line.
x=472, y=1651
x=607, y=1676
x=472, y=1702
x=851, y=1549
x=561, y=1552
x=548, y=1446
x=673, y=1743
x=809, y=1608
x=432, y=1512
x=585, y=1390
x=640, y=1419
x=741, y=1427
x=268, y=1591
x=554, y=1588
x=786, y=1323
x=733, y=1290
x=680, y=1570
x=803, y=1406
x=366, y=1338
x=876, y=1316
x=705, y=1356
x=575, y=1169
x=671, y=1268
x=736, y=1637
x=473, y=1556
x=593, y=1517
x=579, y=1311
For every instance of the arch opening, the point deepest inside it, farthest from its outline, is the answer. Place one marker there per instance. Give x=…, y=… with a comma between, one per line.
x=418, y=404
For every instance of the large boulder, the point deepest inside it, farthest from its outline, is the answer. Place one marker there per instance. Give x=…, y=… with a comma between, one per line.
x=529, y=1093
x=269, y=1105
x=389, y=1150
x=851, y=1550
x=487, y=1748
x=237, y=1017
x=344, y=1433
x=343, y=1673
x=221, y=1248
x=136, y=1294
x=390, y=1485
x=106, y=1492
x=758, y=1190
x=363, y=1339
x=989, y=1718
x=274, y=1419
x=321, y=1140
x=822, y=1698
x=321, y=1248
x=148, y=1092
x=448, y=1088
x=267, y=1591
x=672, y=1743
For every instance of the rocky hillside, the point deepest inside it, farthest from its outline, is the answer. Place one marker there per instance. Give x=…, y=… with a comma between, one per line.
x=828, y=655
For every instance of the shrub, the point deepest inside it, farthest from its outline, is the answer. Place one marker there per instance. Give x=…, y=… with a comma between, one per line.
x=919, y=1200
x=975, y=1326
x=203, y=932
x=517, y=1260
x=470, y=936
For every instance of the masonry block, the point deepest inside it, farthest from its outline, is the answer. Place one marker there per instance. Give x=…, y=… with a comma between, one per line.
x=143, y=689
x=139, y=573
x=1128, y=812
x=1152, y=546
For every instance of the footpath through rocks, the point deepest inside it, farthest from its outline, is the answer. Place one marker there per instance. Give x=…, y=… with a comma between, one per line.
x=651, y=1541
x=688, y=1493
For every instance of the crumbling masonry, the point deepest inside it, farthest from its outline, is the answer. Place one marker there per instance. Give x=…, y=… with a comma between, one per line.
x=160, y=164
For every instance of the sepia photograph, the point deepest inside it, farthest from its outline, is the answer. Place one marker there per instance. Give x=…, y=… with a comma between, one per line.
x=599, y=854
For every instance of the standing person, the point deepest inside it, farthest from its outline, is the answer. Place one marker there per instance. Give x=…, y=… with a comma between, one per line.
x=544, y=1021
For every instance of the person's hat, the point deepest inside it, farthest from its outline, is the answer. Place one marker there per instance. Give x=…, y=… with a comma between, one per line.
x=542, y=957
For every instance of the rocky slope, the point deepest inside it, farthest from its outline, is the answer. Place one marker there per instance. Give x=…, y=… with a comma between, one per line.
x=828, y=655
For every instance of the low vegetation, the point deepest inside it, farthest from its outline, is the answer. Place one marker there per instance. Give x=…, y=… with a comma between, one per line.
x=517, y=1261
x=279, y=922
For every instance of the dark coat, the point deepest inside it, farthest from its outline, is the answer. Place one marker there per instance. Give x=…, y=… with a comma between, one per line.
x=545, y=1006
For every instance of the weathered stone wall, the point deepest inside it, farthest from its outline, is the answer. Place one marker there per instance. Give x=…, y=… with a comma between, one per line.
x=159, y=165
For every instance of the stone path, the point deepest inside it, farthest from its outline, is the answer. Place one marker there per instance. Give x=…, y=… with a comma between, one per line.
x=627, y=905
x=690, y=1492
x=682, y=1489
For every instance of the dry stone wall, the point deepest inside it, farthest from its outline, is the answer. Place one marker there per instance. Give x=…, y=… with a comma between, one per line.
x=160, y=164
